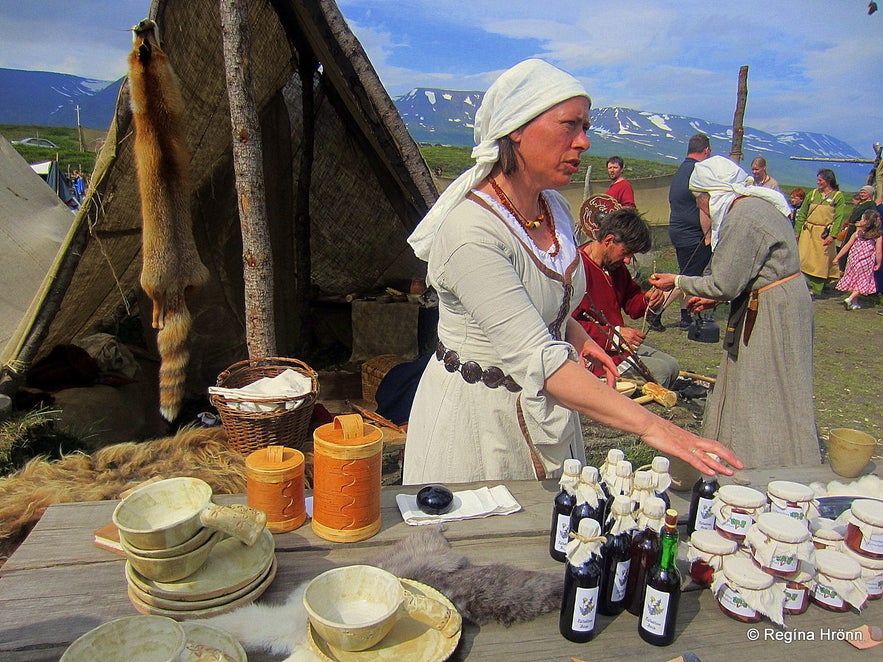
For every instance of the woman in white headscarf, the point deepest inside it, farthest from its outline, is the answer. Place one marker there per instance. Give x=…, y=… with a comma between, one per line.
x=761, y=405
x=500, y=398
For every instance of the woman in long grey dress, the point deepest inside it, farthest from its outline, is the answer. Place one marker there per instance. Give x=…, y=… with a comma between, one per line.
x=501, y=398
x=761, y=405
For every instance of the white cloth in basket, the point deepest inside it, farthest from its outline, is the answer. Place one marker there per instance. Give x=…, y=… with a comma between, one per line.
x=267, y=393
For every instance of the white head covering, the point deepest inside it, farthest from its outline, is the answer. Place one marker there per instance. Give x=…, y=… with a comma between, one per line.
x=724, y=181
x=519, y=95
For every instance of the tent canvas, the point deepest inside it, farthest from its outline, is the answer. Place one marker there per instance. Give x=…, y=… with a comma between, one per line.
x=315, y=90
x=33, y=225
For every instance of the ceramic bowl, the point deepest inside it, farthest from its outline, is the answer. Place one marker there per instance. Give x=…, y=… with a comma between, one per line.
x=207, y=643
x=175, y=567
x=197, y=540
x=134, y=639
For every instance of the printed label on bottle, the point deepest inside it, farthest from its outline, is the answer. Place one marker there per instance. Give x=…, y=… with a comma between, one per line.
x=732, y=601
x=794, y=598
x=562, y=532
x=585, y=606
x=620, y=581
x=655, y=611
x=828, y=596
x=791, y=511
x=704, y=516
x=736, y=524
x=873, y=544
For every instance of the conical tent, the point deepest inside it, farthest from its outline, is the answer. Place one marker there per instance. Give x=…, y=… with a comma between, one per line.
x=369, y=185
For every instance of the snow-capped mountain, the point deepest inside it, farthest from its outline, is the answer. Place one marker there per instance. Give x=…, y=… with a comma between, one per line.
x=447, y=117
x=42, y=98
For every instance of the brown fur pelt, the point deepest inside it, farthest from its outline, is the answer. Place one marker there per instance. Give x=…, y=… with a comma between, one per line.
x=494, y=592
x=172, y=270
x=199, y=452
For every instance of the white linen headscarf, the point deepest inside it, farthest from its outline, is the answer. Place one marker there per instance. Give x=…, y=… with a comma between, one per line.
x=725, y=181
x=519, y=95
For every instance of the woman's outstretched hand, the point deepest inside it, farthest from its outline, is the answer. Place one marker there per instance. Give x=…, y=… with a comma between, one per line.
x=697, y=451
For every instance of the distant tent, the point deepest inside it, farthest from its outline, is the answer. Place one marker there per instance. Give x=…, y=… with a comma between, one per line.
x=369, y=187
x=33, y=225
x=52, y=175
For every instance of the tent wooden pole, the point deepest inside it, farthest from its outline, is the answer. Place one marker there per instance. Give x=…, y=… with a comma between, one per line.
x=738, y=127
x=257, y=256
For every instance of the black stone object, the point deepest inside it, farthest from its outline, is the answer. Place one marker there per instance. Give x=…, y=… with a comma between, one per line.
x=435, y=499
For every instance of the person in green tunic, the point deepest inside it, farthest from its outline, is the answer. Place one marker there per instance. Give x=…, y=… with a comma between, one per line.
x=818, y=222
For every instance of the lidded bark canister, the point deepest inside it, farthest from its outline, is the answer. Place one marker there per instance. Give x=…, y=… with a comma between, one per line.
x=275, y=486
x=347, y=457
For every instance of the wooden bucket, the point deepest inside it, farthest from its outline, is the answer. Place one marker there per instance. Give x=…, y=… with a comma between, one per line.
x=275, y=486
x=347, y=470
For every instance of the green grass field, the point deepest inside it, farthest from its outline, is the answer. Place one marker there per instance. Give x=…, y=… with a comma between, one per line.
x=68, y=154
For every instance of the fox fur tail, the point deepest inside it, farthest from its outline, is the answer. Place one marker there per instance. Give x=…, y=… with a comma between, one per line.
x=174, y=350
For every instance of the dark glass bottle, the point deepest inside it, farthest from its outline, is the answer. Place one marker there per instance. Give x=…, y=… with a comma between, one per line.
x=582, y=579
x=644, y=552
x=588, y=492
x=662, y=593
x=565, y=500
x=700, y=516
x=616, y=557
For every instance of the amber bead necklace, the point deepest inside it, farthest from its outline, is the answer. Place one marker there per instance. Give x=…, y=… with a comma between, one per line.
x=526, y=223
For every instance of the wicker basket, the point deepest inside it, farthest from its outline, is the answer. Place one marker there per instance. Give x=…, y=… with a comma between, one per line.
x=248, y=431
x=373, y=372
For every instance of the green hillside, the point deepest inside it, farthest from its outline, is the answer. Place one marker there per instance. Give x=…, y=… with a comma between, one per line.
x=68, y=154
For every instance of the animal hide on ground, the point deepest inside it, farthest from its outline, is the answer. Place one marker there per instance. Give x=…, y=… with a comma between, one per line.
x=482, y=594
x=199, y=452
x=172, y=270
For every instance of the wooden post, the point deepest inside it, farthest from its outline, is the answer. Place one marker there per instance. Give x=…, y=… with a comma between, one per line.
x=738, y=128
x=587, y=187
x=248, y=155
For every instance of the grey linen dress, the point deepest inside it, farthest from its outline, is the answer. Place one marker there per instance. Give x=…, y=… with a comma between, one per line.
x=762, y=404
x=497, y=301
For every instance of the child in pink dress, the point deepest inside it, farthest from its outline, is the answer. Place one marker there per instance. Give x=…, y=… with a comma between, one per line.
x=865, y=254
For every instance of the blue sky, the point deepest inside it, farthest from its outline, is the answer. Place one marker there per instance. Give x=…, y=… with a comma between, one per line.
x=813, y=64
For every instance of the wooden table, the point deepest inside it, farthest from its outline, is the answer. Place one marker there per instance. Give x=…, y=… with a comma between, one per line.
x=58, y=585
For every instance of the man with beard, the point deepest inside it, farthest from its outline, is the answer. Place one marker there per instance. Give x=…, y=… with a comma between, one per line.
x=620, y=189
x=611, y=289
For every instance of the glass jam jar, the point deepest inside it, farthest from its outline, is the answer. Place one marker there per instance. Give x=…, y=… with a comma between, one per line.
x=738, y=588
x=735, y=508
x=793, y=499
x=872, y=572
x=864, y=532
x=797, y=590
x=838, y=585
x=827, y=533
x=779, y=543
x=706, y=553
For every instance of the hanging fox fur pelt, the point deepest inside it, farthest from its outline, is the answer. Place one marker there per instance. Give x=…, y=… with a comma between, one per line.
x=172, y=270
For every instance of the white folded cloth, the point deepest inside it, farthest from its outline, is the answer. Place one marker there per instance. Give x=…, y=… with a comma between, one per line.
x=468, y=504
x=268, y=390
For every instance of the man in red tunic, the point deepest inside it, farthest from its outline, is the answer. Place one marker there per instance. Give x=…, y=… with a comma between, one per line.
x=611, y=289
x=619, y=185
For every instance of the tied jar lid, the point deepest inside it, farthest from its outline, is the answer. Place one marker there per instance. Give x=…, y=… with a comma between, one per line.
x=789, y=491
x=837, y=565
x=875, y=565
x=806, y=572
x=740, y=496
x=868, y=511
x=741, y=572
x=710, y=541
x=782, y=527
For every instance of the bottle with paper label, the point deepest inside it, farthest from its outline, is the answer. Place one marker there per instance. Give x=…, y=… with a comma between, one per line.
x=662, y=593
x=616, y=553
x=582, y=581
x=565, y=500
x=700, y=517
